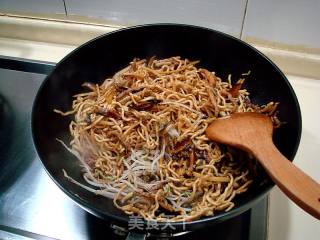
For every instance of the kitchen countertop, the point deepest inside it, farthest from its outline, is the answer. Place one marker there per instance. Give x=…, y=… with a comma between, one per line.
x=286, y=220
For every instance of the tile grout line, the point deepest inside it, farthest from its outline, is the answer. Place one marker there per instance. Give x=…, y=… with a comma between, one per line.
x=65, y=7
x=244, y=17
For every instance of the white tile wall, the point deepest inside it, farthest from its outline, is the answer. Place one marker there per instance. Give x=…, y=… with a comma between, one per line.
x=293, y=22
x=285, y=21
x=224, y=15
x=33, y=6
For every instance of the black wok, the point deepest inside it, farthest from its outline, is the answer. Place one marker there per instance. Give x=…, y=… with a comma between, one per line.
x=103, y=56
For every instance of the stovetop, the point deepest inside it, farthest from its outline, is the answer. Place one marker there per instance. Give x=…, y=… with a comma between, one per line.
x=33, y=207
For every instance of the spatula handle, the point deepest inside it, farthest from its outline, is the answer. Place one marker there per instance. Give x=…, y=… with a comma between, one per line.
x=297, y=185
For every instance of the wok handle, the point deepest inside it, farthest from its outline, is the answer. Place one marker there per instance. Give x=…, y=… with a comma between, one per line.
x=136, y=236
x=297, y=185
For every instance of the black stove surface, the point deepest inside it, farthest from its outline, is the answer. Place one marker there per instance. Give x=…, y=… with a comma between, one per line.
x=33, y=207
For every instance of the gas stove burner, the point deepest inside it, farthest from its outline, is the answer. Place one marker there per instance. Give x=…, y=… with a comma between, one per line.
x=1, y=106
x=6, y=123
x=121, y=231
x=5, y=118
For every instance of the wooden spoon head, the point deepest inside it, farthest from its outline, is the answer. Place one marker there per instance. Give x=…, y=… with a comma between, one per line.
x=252, y=132
x=241, y=130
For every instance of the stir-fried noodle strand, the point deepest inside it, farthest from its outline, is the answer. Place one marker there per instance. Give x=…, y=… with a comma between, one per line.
x=140, y=137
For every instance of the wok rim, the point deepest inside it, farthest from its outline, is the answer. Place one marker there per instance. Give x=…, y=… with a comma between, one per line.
x=221, y=216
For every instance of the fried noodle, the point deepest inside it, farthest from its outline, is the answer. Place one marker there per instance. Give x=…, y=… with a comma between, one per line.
x=140, y=137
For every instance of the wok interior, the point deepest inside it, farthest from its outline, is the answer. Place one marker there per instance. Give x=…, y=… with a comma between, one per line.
x=102, y=57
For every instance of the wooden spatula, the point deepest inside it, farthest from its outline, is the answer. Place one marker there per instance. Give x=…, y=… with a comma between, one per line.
x=252, y=132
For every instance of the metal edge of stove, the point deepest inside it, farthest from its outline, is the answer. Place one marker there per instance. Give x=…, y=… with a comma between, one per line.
x=18, y=234
x=41, y=67
x=26, y=65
